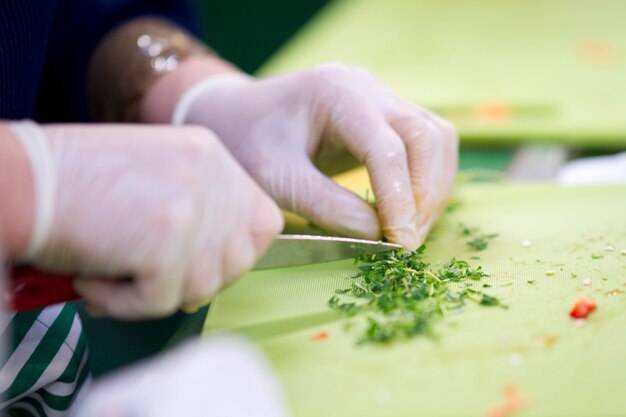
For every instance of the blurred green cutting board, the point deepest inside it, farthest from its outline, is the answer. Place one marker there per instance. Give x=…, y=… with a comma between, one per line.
x=502, y=71
x=564, y=369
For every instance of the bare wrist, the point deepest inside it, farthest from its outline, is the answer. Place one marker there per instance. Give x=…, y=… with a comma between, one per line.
x=161, y=98
x=17, y=196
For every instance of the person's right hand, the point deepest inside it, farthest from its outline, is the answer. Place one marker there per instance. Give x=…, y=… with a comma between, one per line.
x=167, y=206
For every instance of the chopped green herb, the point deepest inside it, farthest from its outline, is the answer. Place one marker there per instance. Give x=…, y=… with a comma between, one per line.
x=401, y=296
x=487, y=300
x=594, y=256
x=370, y=198
x=467, y=231
x=475, y=257
x=506, y=284
x=532, y=281
x=486, y=286
x=573, y=275
x=480, y=242
x=453, y=205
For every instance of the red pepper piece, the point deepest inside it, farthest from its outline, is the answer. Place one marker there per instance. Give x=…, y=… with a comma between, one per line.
x=323, y=335
x=583, y=307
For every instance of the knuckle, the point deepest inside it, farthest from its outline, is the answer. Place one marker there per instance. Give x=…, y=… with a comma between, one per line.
x=270, y=225
x=195, y=153
x=265, y=224
x=174, y=216
x=199, y=143
x=203, y=288
x=198, y=132
x=415, y=128
x=448, y=129
x=162, y=308
x=390, y=151
x=363, y=71
x=437, y=125
x=332, y=68
x=328, y=72
x=235, y=263
x=145, y=306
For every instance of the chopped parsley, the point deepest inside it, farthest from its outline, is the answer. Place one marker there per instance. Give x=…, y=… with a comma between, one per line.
x=467, y=231
x=478, y=241
x=402, y=296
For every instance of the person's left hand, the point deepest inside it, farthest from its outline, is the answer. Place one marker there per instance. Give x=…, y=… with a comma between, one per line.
x=280, y=128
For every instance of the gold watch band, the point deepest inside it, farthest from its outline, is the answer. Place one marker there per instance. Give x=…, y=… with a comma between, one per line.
x=129, y=59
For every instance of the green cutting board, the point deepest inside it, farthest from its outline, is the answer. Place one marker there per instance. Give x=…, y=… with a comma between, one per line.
x=501, y=70
x=564, y=369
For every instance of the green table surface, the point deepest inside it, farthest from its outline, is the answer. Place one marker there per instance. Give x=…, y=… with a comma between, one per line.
x=564, y=368
x=502, y=71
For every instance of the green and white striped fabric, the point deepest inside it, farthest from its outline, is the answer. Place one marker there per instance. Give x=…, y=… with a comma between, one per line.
x=44, y=368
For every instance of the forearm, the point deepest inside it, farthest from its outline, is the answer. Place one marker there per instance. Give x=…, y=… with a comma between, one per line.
x=16, y=196
x=139, y=71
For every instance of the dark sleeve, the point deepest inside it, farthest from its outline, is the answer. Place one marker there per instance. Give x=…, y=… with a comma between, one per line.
x=78, y=27
x=25, y=27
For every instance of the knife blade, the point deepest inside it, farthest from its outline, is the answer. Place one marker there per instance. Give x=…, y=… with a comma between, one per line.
x=295, y=250
x=28, y=288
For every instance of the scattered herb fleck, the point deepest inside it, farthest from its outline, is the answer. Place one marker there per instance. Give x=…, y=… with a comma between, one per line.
x=549, y=273
x=573, y=275
x=480, y=242
x=370, y=198
x=467, y=231
x=506, y=284
x=594, y=256
x=532, y=281
x=453, y=205
x=402, y=296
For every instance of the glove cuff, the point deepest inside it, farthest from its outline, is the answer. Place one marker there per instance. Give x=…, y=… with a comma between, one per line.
x=37, y=148
x=201, y=89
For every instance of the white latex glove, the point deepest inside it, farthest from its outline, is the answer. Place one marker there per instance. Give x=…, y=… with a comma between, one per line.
x=223, y=376
x=279, y=128
x=167, y=206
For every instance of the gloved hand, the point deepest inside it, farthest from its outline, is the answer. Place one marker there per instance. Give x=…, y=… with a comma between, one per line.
x=221, y=375
x=167, y=206
x=280, y=128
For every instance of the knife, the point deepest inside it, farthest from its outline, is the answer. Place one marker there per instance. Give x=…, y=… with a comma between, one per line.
x=28, y=288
